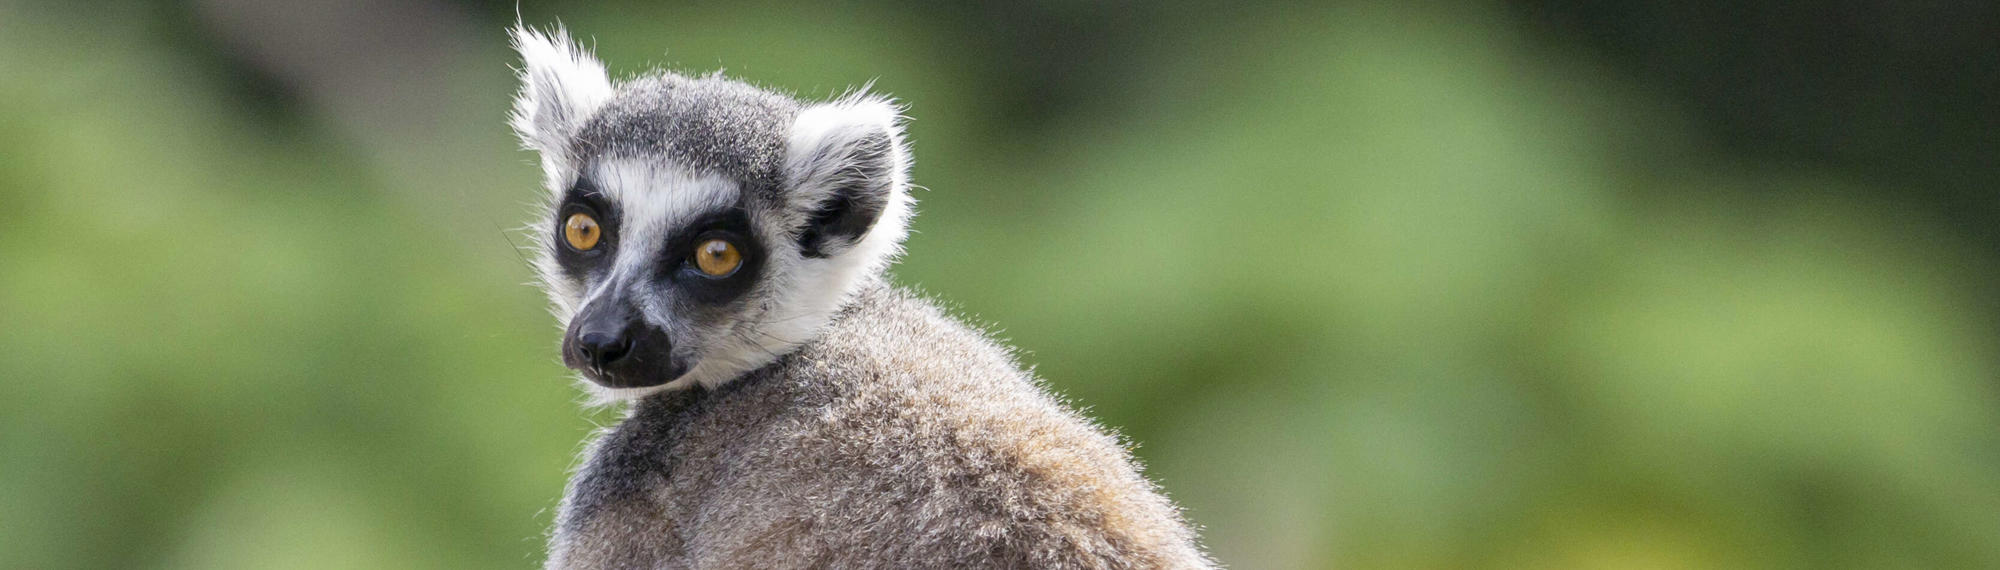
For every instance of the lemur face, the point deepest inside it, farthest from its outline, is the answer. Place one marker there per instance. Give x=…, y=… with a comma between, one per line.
x=700, y=227
x=666, y=261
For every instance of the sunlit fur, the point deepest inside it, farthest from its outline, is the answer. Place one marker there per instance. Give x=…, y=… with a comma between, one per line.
x=829, y=420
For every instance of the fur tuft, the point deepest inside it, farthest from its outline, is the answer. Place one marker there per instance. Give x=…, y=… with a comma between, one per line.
x=561, y=85
x=830, y=149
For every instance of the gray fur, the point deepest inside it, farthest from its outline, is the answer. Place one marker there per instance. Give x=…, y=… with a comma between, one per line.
x=710, y=124
x=829, y=420
x=898, y=439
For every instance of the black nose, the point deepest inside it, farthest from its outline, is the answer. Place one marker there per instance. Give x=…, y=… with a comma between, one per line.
x=602, y=349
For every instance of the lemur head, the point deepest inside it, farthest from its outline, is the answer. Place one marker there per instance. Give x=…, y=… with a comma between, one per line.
x=700, y=227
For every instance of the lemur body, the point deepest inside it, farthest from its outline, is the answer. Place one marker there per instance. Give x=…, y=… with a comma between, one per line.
x=716, y=254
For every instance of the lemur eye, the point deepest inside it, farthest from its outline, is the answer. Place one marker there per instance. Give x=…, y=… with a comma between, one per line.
x=581, y=231
x=717, y=258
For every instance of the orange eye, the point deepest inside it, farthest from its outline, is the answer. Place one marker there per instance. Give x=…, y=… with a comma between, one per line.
x=581, y=231
x=717, y=258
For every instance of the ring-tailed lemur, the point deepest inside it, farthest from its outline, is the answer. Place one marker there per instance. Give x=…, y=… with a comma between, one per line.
x=716, y=252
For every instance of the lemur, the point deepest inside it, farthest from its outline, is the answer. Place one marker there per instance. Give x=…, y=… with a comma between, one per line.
x=716, y=253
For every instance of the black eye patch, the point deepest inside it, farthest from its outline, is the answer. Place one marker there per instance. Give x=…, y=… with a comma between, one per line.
x=676, y=259
x=584, y=198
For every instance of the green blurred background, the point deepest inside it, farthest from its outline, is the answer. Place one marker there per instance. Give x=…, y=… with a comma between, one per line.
x=1527, y=284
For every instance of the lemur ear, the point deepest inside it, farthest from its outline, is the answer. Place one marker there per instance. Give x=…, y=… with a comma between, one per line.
x=846, y=174
x=561, y=85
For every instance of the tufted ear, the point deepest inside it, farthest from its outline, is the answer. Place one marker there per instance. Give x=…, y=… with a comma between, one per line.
x=846, y=176
x=561, y=85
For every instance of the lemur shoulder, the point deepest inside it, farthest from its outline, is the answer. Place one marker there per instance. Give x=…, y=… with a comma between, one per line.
x=716, y=253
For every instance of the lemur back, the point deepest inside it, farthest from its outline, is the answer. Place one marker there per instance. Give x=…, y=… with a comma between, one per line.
x=717, y=255
x=900, y=438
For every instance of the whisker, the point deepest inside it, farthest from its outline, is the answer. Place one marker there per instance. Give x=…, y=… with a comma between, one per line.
x=760, y=348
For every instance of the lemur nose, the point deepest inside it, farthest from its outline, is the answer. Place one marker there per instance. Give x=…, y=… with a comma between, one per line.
x=602, y=348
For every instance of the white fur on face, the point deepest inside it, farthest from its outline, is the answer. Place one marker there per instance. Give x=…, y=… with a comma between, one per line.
x=561, y=87
x=655, y=201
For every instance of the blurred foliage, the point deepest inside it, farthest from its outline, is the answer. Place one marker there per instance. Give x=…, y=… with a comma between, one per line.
x=1403, y=286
